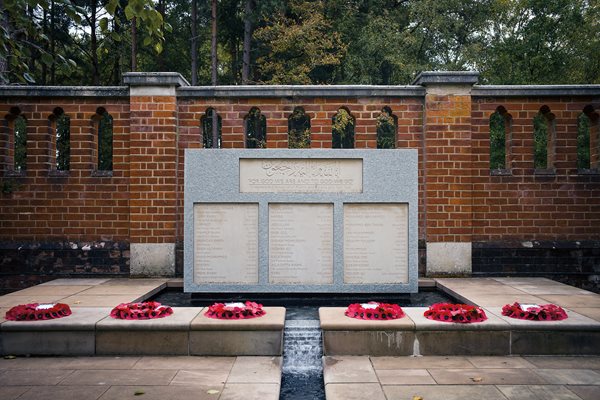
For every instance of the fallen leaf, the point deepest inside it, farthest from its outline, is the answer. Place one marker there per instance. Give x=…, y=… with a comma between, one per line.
x=139, y=393
x=78, y=302
x=417, y=398
x=212, y=391
x=10, y=357
x=477, y=379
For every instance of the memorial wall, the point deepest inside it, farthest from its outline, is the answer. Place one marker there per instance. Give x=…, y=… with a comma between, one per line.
x=301, y=221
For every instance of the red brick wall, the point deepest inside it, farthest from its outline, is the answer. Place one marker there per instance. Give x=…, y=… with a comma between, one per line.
x=79, y=206
x=153, y=169
x=525, y=206
x=448, y=168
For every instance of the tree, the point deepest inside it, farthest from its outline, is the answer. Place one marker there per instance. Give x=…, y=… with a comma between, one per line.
x=298, y=46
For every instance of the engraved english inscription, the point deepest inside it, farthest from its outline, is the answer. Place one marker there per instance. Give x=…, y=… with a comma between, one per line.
x=301, y=243
x=225, y=243
x=375, y=243
x=294, y=175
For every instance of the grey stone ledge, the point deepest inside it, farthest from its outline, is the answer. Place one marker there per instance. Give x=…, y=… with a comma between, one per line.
x=154, y=79
x=273, y=320
x=426, y=78
x=301, y=91
x=534, y=90
x=64, y=91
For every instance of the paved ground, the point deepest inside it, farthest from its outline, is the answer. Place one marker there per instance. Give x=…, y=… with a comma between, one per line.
x=144, y=378
x=462, y=378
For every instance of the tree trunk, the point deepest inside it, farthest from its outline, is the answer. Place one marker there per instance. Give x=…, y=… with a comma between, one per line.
x=213, y=43
x=94, y=44
x=45, y=30
x=194, y=42
x=161, y=56
x=4, y=24
x=247, y=41
x=134, y=44
x=52, y=45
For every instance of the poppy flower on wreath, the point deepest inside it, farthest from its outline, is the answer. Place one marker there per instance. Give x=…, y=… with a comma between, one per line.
x=374, y=310
x=238, y=310
x=144, y=310
x=535, y=312
x=38, y=312
x=460, y=313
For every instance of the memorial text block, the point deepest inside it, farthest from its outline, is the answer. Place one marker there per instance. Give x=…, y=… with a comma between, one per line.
x=300, y=175
x=226, y=243
x=301, y=243
x=375, y=243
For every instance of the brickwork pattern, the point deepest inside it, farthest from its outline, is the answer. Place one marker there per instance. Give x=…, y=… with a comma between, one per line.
x=448, y=168
x=78, y=205
x=526, y=205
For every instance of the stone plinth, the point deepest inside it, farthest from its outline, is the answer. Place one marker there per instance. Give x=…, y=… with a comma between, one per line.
x=262, y=336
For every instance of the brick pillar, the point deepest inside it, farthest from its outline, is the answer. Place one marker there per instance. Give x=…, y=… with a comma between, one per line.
x=153, y=171
x=448, y=170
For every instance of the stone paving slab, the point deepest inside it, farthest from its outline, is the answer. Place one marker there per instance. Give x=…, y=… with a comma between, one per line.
x=9, y=301
x=586, y=392
x=200, y=377
x=500, y=362
x=405, y=377
x=573, y=301
x=354, y=391
x=380, y=363
x=81, y=300
x=186, y=363
x=348, y=369
x=442, y=392
x=178, y=321
x=161, y=393
x=34, y=363
x=564, y=362
x=21, y=377
x=258, y=391
x=590, y=312
x=12, y=392
x=537, y=392
x=64, y=392
x=107, y=377
x=569, y=376
x=493, y=323
x=50, y=290
x=480, y=376
x=76, y=281
x=256, y=370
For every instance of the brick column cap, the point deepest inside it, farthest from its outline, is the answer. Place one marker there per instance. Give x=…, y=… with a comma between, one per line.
x=154, y=79
x=437, y=78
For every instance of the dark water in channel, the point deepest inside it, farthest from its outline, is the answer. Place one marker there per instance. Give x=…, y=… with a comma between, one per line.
x=302, y=369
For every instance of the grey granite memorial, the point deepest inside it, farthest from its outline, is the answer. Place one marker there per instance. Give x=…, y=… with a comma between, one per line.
x=311, y=221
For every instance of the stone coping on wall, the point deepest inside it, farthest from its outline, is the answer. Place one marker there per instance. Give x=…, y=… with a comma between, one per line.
x=534, y=90
x=64, y=91
x=300, y=91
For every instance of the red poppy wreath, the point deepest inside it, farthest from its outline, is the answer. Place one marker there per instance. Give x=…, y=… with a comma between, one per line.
x=38, y=312
x=374, y=310
x=245, y=310
x=461, y=313
x=145, y=310
x=535, y=312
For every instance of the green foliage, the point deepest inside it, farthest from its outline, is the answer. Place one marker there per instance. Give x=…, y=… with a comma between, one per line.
x=299, y=129
x=63, y=143
x=583, y=141
x=342, y=130
x=304, y=41
x=497, y=141
x=256, y=129
x=298, y=46
x=207, y=129
x=20, y=132
x=386, y=129
x=105, y=142
x=540, y=141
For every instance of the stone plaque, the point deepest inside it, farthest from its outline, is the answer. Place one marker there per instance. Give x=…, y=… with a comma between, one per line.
x=225, y=243
x=301, y=243
x=294, y=175
x=375, y=243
